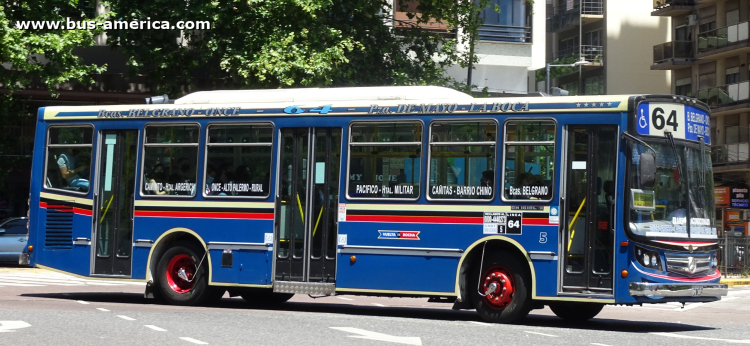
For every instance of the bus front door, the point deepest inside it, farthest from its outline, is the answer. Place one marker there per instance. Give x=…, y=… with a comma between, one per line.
x=113, y=209
x=306, y=209
x=587, y=225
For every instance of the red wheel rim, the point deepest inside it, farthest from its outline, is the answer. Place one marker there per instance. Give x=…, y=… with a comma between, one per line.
x=501, y=293
x=174, y=280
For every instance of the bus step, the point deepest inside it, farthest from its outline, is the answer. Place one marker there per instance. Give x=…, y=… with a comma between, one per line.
x=313, y=288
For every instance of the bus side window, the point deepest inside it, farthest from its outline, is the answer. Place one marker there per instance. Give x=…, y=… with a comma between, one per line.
x=238, y=160
x=170, y=160
x=529, y=160
x=463, y=170
x=69, y=158
x=385, y=160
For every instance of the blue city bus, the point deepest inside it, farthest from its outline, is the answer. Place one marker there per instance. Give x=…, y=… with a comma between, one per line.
x=502, y=205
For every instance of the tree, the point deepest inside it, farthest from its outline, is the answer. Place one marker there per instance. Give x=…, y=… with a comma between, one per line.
x=295, y=43
x=33, y=58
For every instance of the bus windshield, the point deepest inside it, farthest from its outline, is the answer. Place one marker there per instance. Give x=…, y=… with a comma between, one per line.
x=662, y=210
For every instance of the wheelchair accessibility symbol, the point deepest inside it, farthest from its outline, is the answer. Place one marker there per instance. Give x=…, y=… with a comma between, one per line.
x=642, y=122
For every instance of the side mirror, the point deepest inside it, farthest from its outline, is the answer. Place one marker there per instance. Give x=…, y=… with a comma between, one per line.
x=648, y=170
x=2, y=231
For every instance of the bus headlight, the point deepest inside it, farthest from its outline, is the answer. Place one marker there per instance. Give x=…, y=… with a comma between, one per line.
x=714, y=262
x=648, y=258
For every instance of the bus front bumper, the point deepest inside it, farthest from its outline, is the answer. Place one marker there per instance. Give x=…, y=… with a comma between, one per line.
x=647, y=289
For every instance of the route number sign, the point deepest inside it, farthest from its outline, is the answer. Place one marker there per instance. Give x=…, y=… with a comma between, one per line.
x=683, y=121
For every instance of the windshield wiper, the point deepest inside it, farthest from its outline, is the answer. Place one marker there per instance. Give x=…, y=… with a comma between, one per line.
x=670, y=139
x=637, y=140
x=701, y=174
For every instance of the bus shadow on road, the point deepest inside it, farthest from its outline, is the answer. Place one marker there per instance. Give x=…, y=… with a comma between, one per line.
x=440, y=313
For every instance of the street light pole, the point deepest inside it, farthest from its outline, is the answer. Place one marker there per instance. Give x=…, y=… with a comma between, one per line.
x=577, y=63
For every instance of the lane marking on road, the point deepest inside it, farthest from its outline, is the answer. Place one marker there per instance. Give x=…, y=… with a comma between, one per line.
x=102, y=309
x=82, y=302
x=593, y=343
x=150, y=326
x=19, y=285
x=343, y=298
x=8, y=326
x=554, y=336
x=193, y=340
x=482, y=323
x=126, y=318
x=734, y=341
x=366, y=334
x=376, y=304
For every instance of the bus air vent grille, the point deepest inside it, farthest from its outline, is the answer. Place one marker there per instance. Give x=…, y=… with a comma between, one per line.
x=688, y=264
x=58, y=227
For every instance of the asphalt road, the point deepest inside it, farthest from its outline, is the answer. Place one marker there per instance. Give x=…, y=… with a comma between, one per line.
x=43, y=308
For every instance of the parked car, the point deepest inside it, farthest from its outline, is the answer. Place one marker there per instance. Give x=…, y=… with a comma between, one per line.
x=14, y=234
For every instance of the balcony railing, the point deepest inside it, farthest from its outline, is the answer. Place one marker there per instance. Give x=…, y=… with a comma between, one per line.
x=592, y=7
x=563, y=18
x=506, y=33
x=673, y=50
x=726, y=95
x=594, y=54
x=659, y=4
x=723, y=37
x=730, y=153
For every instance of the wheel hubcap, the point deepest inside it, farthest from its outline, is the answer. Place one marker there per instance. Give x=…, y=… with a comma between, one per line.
x=180, y=273
x=497, y=284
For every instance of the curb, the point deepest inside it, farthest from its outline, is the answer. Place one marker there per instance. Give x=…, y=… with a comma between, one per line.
x=736, y=282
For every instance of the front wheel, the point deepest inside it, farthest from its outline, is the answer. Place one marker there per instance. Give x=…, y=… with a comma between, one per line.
x=179, y=279
x=505, y=286
x=576, y=312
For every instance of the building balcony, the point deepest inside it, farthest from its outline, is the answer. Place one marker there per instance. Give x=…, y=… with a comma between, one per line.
x=593, y=54
x=673, y=55
x=670, y=8
x=726, y=99
x=504, y=33
x=582, y=11
x=726, y=41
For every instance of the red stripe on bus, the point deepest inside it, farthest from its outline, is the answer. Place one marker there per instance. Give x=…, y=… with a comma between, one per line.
x=65, y=209
x=82, y=211
x=537, y=222
x=414, y=219
x=214, y=215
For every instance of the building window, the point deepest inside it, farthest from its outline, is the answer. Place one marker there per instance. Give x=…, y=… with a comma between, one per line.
x=510, y=23
x=571, y=87
x=238, y=160
x=733, y=75
x=529, y=161
x=462, y=160
x=684, y=87
x=385, y=160
x=170, y=160
x=69, y=158
x=594, y=86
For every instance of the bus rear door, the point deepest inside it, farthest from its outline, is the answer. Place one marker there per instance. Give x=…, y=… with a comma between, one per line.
x=306, y=210
x=589, y=205
x=113, y=202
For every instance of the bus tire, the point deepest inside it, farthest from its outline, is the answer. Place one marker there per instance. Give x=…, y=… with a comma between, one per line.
x=266, y=298
x=576, y=312
x=174, y=289
x=511, y=301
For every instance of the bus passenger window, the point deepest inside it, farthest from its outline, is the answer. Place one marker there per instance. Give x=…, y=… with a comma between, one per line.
x=385, y=160
x=529, y=160
x=238, y=160
x=170, y=160
x=69, y=158
x=462, y=160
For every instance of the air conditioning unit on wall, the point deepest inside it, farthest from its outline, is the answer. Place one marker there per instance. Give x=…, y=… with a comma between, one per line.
x=692, y=20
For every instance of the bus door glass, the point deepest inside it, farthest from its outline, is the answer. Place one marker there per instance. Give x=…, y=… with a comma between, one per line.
x=113, y=209
x=588, y=217
x=307, y=204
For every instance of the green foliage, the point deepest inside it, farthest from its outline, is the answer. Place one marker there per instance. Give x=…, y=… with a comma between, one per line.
x=557, y=71
x=295, y=43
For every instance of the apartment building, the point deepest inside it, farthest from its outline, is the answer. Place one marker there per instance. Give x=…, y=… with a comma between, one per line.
x=708, y=56
x=614, y=36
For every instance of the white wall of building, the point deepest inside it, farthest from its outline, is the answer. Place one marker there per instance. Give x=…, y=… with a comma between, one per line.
x=631, y=34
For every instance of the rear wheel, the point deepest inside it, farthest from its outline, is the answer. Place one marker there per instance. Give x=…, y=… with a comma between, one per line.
x=178, y=279
x=505, y=287
x=576, y=312
x=266, y=297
